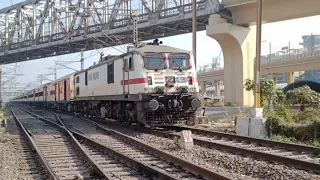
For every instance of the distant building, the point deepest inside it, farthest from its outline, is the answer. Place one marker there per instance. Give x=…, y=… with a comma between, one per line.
x=311, y=42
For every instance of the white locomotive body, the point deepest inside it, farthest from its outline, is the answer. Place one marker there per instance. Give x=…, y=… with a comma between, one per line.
x=150, y=85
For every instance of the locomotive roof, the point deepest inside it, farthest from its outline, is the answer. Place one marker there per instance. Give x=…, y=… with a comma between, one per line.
x=143, y=49
x=62, y=78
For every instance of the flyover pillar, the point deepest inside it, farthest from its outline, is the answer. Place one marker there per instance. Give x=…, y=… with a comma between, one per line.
x=203, y=85
x=217, y=84
x=238, y=46
x=274, y=77
x=290, y=77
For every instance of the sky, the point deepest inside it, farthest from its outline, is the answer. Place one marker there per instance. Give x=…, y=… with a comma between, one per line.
x=279, y=34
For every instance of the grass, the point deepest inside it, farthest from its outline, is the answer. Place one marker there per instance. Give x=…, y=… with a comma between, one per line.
x=293, y=140
x=294, y=126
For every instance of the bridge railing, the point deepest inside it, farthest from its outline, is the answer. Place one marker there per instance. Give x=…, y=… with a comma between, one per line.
x=266, y=60
x=288, y=57
x=122, y=19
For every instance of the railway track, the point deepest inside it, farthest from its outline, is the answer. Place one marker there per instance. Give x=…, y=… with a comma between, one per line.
x=27, y=160
x=126, y=158
x=139, y=151
x=60, y=156
x=295, y=155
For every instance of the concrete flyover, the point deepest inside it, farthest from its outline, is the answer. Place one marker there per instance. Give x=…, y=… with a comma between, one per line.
x=238, y=39
x=287, y=63
x=243, y=11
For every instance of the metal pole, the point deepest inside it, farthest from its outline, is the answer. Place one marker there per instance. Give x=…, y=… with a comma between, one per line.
x=86, y=15
x=82, y=60
x=289, y=48
x=55, y=72
x=134, y=17
x=312, y=43
x=258, y=55
x=270, y=51
x=194, y=31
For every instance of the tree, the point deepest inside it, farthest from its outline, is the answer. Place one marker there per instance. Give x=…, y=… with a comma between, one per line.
x=268, y=91
x=304, y=96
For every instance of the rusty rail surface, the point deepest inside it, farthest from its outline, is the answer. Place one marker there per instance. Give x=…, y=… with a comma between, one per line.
x=290, y=146
x=77, y=144
x=43, y=161
x=264, y=155
x=189, y=166
x=196, y=170
x=273, y=157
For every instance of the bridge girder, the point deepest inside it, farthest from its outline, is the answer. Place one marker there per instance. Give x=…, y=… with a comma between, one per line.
x=37, y=29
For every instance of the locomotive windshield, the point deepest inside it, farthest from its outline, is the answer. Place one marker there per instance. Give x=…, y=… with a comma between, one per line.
x=180, y=61
x=154, y=61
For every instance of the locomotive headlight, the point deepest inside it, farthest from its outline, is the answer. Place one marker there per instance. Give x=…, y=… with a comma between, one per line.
x=190, y=80
x=195, y=103
x=153, y=105
x=149, y=78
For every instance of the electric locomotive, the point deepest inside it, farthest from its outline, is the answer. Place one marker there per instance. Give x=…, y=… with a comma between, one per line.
x=151, y=84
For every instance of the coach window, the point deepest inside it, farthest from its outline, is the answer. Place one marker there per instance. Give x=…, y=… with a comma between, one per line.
x=77, y=91
x=131, y=64
x=111, y=73
x=77, y=79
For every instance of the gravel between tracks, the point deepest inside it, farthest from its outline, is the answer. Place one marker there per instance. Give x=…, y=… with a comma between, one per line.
x=242, y=167
x=14, y=162
x=245, y=167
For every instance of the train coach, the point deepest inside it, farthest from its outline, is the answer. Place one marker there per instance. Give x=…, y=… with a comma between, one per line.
x=152, y=84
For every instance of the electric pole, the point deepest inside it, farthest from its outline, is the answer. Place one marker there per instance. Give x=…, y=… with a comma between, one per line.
x=134, y=17
x=258, y=55
x=194, y=31
x=82, y=59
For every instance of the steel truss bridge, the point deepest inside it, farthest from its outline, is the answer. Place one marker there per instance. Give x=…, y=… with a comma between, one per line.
x=36, y=29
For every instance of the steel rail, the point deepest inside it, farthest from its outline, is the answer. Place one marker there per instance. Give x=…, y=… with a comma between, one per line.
x=266, y=142
x=127, y=159
x=191, y=167
x=301, y=164
x=47, y=168
x=74, y=140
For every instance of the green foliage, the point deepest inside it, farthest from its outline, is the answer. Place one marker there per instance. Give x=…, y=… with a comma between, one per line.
x=304, y=96
x=299, y=125
x=176, y=140
x=285, y=121
x=268, y=91
x=283, y=112
x=293, y=140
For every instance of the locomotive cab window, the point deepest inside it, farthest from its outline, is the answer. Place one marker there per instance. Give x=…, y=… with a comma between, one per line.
x=111, y=73
x=154, y=61
x=179, y=61
x=77, y=79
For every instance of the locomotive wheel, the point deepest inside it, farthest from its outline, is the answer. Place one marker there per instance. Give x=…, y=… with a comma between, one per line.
x=140, y=124
x=121, y=118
